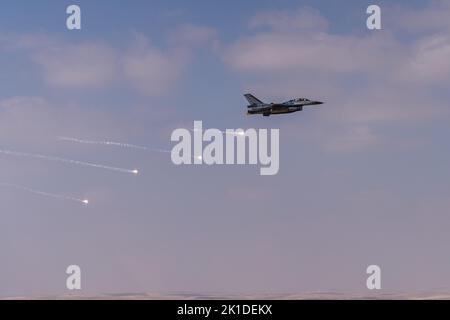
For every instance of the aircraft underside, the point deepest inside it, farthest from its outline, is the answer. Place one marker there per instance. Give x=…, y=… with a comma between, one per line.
x=275, y=111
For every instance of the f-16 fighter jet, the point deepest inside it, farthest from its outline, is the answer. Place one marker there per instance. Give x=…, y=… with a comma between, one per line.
x=266, y=109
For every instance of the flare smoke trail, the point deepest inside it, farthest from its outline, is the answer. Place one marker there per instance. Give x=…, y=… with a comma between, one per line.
x=68, y=161
x=113, y=143
x=44, y=194
x=238, y=133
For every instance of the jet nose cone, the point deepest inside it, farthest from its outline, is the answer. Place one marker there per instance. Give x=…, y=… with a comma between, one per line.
x=318, y=102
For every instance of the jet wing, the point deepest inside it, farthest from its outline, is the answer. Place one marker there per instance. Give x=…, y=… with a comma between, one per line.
x=278, y=107
x=265, y=108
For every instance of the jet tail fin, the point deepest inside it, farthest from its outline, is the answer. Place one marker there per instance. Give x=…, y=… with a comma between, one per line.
x=253, y=100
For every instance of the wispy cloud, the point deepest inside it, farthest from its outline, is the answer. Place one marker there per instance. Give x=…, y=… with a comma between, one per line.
x=291, y=44
x=155, y=71
x=431, y=17
x=84, y=65
x=302, y=19
x=148, y=68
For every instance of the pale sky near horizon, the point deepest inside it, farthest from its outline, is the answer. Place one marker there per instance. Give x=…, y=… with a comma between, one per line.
x=363, y=179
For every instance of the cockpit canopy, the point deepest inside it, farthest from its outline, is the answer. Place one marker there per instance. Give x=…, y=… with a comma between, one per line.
x=299, y=100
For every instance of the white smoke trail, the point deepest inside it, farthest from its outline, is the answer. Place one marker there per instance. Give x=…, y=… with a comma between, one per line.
x=43, y=193
x=107, y=143
x=234, y=133
x=68, y=161
x=113, y=143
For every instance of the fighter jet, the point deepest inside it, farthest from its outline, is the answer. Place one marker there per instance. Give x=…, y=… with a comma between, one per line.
x=266, y=109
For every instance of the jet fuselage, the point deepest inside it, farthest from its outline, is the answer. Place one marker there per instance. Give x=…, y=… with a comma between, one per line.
x=266, y=109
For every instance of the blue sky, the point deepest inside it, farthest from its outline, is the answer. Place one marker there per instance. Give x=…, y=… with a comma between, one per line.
x=363, y=179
